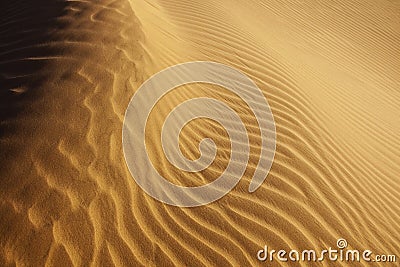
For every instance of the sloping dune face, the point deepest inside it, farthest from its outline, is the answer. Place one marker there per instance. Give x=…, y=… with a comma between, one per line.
x=330, y=73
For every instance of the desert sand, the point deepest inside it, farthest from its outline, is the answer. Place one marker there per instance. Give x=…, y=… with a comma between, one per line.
x=329, y=70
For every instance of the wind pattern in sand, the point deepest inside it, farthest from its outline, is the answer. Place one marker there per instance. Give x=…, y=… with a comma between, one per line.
x=330, y=71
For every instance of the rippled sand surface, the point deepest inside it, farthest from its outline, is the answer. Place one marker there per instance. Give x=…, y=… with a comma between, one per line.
x=329, y=70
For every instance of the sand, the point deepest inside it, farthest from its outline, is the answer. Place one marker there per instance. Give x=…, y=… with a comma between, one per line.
x=330, y=71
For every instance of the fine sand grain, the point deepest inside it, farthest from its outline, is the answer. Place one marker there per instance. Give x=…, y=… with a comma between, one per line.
x=329, y=69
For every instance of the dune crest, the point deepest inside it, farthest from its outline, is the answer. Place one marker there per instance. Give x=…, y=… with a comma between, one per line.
x=69, y=68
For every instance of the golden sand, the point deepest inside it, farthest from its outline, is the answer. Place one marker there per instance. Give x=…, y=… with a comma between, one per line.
x=330, y=71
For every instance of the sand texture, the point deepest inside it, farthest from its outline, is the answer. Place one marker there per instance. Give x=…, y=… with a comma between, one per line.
x=330, y=71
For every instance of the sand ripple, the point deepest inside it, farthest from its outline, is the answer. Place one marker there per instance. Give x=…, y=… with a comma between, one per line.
x=69, y=68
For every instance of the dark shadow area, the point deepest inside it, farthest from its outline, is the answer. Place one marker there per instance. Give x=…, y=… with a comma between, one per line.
x=25, y=28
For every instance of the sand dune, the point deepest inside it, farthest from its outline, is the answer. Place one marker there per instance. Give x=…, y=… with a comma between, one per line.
x=69, y=68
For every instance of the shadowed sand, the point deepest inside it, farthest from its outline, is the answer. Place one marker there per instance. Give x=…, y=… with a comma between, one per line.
x=67, y=72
